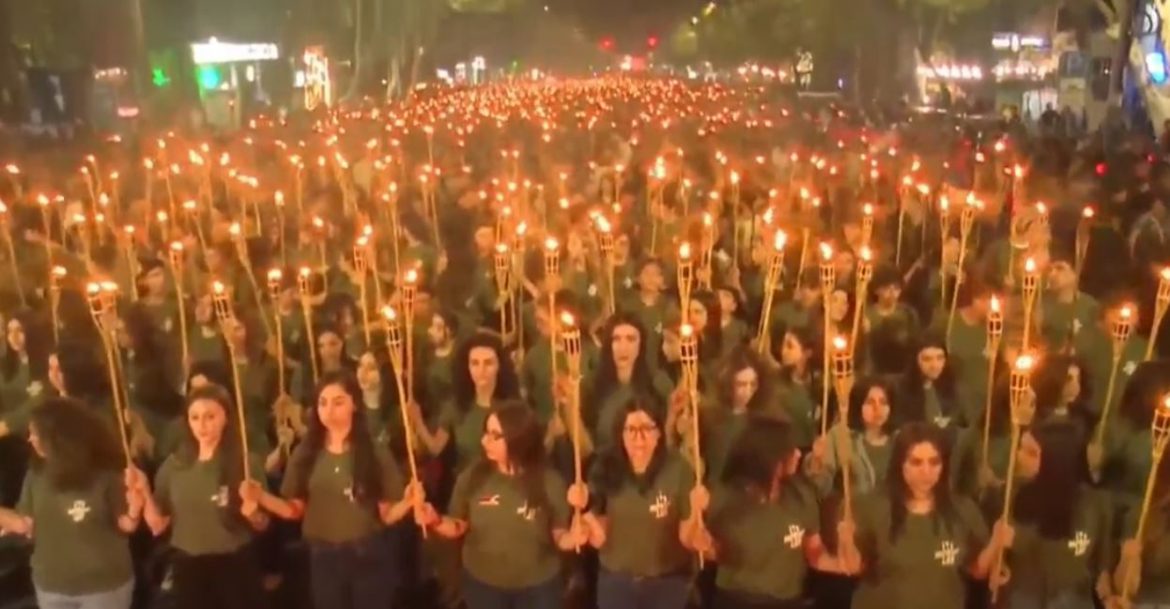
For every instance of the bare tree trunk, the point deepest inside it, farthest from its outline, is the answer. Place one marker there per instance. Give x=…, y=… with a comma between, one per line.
x=415, y=64
x=359, y=63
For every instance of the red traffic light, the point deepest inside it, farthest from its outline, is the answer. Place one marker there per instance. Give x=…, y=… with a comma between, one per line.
x=607, y=44
x=652, y=42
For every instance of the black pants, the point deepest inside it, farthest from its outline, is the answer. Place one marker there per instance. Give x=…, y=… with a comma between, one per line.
x=218, y=581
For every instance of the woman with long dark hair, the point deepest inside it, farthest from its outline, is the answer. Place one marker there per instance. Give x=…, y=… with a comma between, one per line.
x=644, y=514
x=927, y=392
x=916, y=539
x=78, y=509
x=200, y=496
x=513, y=514
x=797, y=351
x=623, y=373
x=483, y=377
x=743, y=390
x=765, y=525
x=344, y=489
x=1063, y=549
x=1062, y=392
x=22, y=372
x=870, y=441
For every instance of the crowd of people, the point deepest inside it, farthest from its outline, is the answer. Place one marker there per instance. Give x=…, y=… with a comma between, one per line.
x=609, y=343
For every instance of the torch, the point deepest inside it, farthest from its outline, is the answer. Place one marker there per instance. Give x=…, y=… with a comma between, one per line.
x=275, y=286
x=503, y=276
x=966, y=223
x=1120, y=331
x=552, y=268
x=571, y=343
x=771, y=282
x=1023, y=411
x=304, y=288
x=686, y=276
x=994, y=336
x=361, y=267
x=864, y=276
x=55, y=300
x=227, y=320
x=605, y=243
x=689, y=352
x=102, y=299
x=843, y=379
x=6, y=225
x=1160, y=432
x=1031, y=286
x=394, y=345
x=828, y=282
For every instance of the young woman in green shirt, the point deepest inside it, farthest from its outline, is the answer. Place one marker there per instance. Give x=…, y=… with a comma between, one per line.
x=917, y=540
x=513, y=514
x=200, y=495
x=623, y=372
x=799, y=386
x=643, y=516
x=78, y=509
x=345, y=490
x=764, y=524
x=1063, y=549
x=927, y=392
x=870, y=439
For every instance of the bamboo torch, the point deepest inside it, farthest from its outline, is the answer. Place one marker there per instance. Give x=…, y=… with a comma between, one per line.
x=175, y=256
x=227, y=319
x=1084, y=233
x=707, y=253
x=771, y=283
x=605, y=244
x=275, y=286
x=994, y=336
x=1023, y=411
x=944, y=224
x=1120, y=331
x=55, y=300
x=686, y=276
x=571, y=343
x=394, y=345
x=828, y=283
x=689, y=351
x=1031, y=286
x=843, y=379
x=101, y=307
x=864, y=276
x=304, y=288
x=866, y=224
x=966, y=223
x=503, y=277
x=409, y=294
x=1160, y=436
x=552, y=268
x=1161, y=303
x=362, y=268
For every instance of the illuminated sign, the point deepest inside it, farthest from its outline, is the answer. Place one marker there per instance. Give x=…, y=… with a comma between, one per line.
x=214, y=51
x=1015, y=42
x=318, y=86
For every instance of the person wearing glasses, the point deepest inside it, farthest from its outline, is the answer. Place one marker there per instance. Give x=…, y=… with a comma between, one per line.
x=644, y=516
x=512, y=512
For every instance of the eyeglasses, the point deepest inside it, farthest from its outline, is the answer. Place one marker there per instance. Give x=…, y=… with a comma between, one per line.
x=640, y=431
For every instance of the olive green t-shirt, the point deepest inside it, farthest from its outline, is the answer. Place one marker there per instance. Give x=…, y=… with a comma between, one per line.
x=642, y=535
x=1047, y=567
x=77, y=546
x=336, y=511
x=439, y=384
x=923, y=566
x=466, y=429
x=509, y=542
x=608, y=408
x=1064, y=321
x=760, y=543
x=1155, y=578
x=204, y=519
x=968, y=350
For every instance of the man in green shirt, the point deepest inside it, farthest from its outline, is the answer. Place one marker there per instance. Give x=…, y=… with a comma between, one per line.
x=1064, y=309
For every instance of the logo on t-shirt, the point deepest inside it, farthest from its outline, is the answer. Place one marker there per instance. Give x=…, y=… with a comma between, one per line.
x=661, y=506
x=946, y=554
x=942, y=422
x=525, y=512
x=490, y=501
x=78, y=511
x=1079, y=544
x=348, y=492
x=220, y=498
x=795, y=536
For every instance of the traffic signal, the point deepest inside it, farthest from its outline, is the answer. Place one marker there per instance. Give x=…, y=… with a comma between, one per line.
x=652, y=42
x=607, y=44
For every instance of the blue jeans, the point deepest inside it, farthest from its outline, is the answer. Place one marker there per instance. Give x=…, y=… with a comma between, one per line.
x=355, y=575
x=622, y=591
x=118, y=598
x=478, y=595
x=1064, y=600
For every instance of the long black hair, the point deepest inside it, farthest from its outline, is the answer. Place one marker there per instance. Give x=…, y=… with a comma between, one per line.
x=860, y=393
x=1050, y=500
x=78, y=443
x=913, y=390
x=743, y=358
x=507, y=386
x=367, y=471
x=231, y=471
x=35, y=346
x=613, y=468
x=908, y=437
x=605, y=380
x=764, y=446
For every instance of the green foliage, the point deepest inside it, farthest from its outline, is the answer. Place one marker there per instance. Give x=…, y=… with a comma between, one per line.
x=484, y=6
